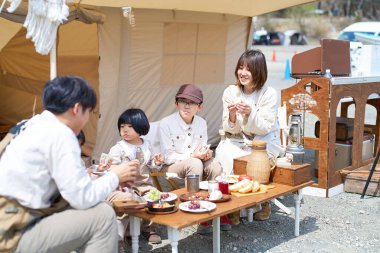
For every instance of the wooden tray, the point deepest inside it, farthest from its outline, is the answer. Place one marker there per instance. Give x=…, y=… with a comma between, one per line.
x=167, y=212
x=122, y=205
x=187, y=197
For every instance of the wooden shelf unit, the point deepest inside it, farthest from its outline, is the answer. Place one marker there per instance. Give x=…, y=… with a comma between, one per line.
x=327, y=96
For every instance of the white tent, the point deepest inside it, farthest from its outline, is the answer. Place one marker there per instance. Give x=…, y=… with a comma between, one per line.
x=140, y=65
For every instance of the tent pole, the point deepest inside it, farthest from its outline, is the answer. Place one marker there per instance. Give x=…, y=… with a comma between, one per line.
x=53, y=61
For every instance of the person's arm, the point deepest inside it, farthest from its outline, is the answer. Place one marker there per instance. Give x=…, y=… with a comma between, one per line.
x=116, y=154
x=73, y=182
x=232, y=121
x=264, y=115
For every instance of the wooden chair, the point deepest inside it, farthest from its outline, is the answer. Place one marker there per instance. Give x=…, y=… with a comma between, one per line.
x=155, y=174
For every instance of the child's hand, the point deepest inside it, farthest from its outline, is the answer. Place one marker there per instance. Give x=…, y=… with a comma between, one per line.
x=201, y=152
x=158, y=159
x=208, y=154
x=104, y=167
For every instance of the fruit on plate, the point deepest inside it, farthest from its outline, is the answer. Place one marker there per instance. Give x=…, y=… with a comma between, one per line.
x=237, y=186
x=164, y=195
x=194, y=204
x=241, y=177
x=154, y=194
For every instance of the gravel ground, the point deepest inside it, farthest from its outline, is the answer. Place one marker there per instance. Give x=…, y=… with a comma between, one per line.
x=343, y=223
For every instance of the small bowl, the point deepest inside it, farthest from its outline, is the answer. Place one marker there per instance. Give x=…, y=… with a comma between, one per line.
x=163, y=209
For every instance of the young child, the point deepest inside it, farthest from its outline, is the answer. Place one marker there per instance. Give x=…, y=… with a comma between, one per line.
x=133, y=123
x=183, y=141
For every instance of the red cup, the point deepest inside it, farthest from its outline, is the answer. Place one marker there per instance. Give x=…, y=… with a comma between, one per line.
x=223, y=187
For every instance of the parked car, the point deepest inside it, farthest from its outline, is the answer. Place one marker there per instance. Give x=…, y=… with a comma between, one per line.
x=293, y=37
x=369, y=28
x=263, y=37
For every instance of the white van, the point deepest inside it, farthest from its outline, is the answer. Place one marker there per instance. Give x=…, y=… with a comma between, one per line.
x=369, y=28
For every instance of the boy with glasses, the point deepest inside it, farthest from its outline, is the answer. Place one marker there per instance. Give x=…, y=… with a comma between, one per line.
x=183, y=141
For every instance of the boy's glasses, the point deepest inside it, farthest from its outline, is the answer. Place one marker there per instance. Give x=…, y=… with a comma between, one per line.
x=187, y=103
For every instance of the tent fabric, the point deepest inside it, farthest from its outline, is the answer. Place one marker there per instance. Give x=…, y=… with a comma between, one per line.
x=23, y=72
x=248, y=8
x=132, y=64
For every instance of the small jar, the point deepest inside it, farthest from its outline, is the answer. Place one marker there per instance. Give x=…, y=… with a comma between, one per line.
x=213, y=186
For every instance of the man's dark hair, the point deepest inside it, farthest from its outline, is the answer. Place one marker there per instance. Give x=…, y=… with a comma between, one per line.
x=64, y=92
x=137, y=119
x=81, y=138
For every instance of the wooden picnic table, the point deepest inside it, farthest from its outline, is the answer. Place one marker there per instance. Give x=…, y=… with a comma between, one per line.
x=179, y=220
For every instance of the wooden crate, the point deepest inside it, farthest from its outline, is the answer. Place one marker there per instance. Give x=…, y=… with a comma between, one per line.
x=355, y=182
x=288, y=175
x=291, y=175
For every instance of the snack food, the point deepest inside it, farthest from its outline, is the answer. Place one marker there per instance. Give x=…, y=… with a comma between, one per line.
x=237, y=186
x=161, y=205
x=255, y=186
x=215, y=195
x=154, y=195
x=194, y=204
x=246, y=188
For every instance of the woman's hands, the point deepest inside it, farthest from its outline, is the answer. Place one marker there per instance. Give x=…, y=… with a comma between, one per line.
x=241, y=107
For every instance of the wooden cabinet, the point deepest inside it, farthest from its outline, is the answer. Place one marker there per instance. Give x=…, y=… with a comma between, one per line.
x=327, y=95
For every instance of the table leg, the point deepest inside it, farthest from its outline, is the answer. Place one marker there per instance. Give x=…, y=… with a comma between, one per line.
x=216, y=235
x=297, y=197
x=281, y=206
x=173, y=235
x=134, y=228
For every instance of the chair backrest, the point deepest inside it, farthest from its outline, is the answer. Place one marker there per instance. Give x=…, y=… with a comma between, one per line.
x=153, y=138
x=282, y=121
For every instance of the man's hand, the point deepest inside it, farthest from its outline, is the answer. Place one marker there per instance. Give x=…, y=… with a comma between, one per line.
x=127, y=172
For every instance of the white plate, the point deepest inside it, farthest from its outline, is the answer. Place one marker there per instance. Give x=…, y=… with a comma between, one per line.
x=206, y=206
x=203, y=185
x=171, y=197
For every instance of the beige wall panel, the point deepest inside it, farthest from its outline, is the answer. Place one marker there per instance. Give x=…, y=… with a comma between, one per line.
x=212, y=39
x=82, y=39
x=209, y=69
x=177, y=70
x=179, y=38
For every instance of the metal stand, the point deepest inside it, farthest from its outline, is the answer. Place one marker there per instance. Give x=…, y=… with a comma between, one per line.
x=371, y=173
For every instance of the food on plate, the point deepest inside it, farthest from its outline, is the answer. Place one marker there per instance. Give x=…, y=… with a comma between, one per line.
x=165, y=195
x=232, y=179
x=255, y=186
x=198, y=197
x=237, y=186
x=194, y=204
x=162, y=205
x=215, y=195
x=241, y=177
x=246, y=188
x=154, y=194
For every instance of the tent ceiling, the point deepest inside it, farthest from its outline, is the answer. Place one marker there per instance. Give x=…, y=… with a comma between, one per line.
x=237, y=7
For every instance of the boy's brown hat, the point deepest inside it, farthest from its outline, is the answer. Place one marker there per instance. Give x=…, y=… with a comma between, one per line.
x=191, y=92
